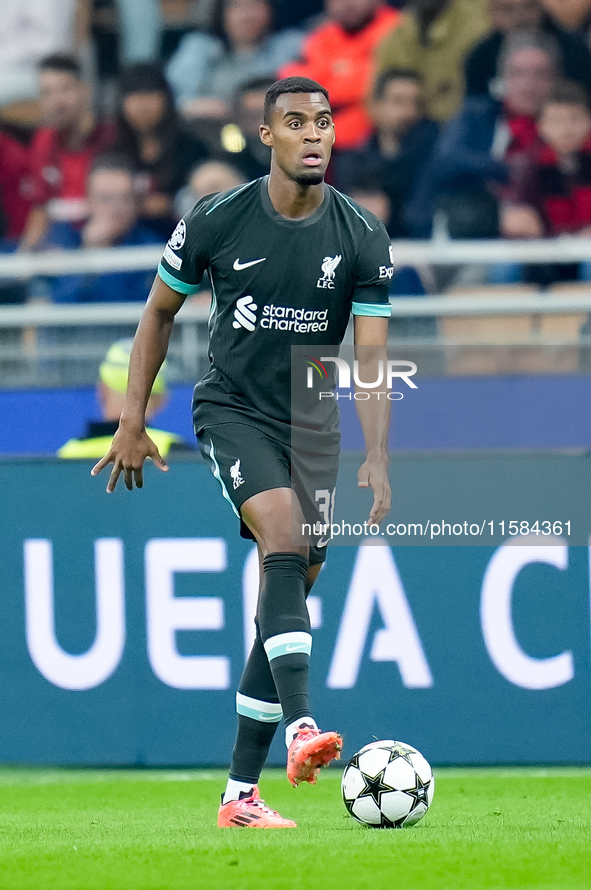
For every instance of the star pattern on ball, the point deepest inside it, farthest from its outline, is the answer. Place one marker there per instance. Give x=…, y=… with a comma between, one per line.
x=419, y=793
x=374, y=787
x=402, y=751
x=403, y=806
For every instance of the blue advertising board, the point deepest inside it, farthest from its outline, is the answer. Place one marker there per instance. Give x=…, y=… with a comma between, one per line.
x=458, y=413
x=126, y=619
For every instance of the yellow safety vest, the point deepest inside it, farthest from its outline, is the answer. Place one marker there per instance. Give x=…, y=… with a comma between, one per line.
x=99, y=445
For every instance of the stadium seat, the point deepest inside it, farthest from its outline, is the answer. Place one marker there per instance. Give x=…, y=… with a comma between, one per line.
x=565, y=328
x=485, y=345
x=558, y=335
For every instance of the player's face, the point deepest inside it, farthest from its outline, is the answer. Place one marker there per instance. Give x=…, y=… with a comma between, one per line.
x=301, y=135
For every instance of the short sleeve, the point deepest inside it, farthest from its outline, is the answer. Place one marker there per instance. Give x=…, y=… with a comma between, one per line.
x=187, y=253
x=375, y=269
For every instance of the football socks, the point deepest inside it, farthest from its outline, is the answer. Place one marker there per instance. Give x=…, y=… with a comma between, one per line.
x=236, y=791
x=259, y=714
x=285, y=630
x=292, y=729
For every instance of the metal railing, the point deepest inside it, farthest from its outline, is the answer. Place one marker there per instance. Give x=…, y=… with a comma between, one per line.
x=437, y=252
x=45, y=344
x=49, y=345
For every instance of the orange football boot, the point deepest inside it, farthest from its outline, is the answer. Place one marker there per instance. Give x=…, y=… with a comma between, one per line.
x=310, y=750
x=251, y=812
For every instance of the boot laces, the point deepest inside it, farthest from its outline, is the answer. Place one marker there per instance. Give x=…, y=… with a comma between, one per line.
x=255, y=801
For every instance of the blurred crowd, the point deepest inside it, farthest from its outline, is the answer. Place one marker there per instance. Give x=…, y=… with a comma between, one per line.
x=465, y=117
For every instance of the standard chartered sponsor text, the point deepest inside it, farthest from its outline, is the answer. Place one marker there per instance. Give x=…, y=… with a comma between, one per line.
x=288, y=318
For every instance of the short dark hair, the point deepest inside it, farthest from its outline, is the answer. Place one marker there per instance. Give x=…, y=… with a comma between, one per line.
x=569, y=92
x=392, y=74
x=113, y=160
x=62, y=62
x=290, y=85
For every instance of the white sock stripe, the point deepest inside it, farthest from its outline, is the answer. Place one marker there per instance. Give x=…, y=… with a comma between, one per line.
x=234, y=787
x=265, y=711
x=291, y=730
x=288, y=644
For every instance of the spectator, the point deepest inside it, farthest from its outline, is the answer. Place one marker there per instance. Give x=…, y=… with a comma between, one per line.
x=572, y=15
x=510, y=16
x=150, y=132
x=399, y=147
x=555, y=186
x=562, y=170
x=15, y=186
x=367, y=191
x=471, y=161
x=206, y=69
x=406, y=280
x=110, y=392
x=113, y=222
x=433, y=39
x=207, y=178
x=241, y=137
x=63, y=150
x=339, y=55
x=30, y=30
x=15, y=204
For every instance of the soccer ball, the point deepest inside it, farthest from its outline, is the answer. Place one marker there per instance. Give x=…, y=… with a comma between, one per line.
x=388, y=784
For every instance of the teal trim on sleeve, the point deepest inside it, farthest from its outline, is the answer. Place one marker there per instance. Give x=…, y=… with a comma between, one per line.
x=384, y=310
x=180, y=287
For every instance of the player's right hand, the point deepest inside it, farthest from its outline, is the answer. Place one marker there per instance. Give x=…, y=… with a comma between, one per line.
x=128, y=451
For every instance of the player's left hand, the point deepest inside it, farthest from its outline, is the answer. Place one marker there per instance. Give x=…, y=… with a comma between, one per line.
x=374, y=474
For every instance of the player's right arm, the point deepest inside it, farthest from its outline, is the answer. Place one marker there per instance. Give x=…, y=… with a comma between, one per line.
x=131, y=444
x=181, y=269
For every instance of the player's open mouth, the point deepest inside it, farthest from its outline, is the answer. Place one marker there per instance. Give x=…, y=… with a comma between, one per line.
x=312, y=159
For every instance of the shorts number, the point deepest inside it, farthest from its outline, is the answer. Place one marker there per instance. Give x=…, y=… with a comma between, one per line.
x=325, y=500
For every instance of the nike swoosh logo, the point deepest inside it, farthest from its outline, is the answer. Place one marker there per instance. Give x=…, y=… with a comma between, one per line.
x=238, y=265
x=295, y=648
x=263, y=717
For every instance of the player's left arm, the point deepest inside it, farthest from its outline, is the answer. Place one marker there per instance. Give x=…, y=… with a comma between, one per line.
x=371, y=334
x=371, y=311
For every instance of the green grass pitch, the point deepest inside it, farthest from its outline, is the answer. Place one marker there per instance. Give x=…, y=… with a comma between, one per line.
x=155, y=830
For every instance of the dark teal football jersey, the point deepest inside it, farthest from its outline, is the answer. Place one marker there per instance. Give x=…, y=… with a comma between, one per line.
x=276, y=283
